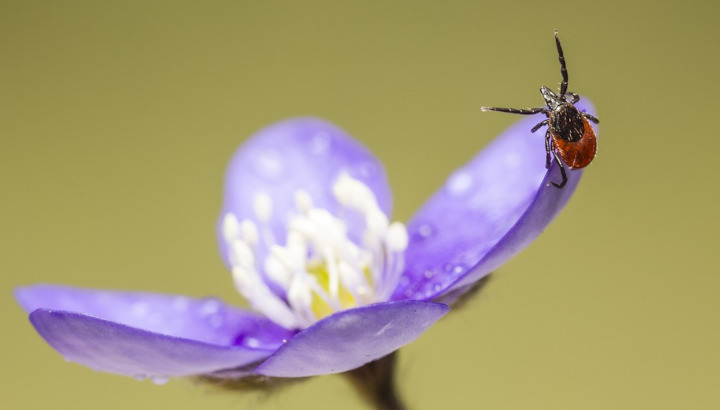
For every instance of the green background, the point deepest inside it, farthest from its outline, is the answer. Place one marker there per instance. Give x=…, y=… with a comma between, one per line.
x=117, y=120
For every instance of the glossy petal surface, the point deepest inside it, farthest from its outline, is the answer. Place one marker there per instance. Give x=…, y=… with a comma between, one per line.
x=300, y=153
x=111, y=347
x=351, y=338
x=205, y=320
x=486, y=212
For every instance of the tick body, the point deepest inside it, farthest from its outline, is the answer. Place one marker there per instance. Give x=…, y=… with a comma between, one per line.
x=569, y=138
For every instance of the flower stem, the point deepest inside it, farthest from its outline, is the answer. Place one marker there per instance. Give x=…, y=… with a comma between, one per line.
x=375, y=381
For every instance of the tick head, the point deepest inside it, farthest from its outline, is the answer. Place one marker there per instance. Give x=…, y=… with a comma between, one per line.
x=551, y=99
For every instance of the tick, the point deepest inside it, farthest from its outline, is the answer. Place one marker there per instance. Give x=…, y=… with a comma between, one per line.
x=569, y=138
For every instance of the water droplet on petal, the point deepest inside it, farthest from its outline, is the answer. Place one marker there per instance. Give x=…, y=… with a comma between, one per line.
x=159, y=380
x=211, y=306
x=140, y=309
x=423, y=232
x=428, y=274
x=269, y=165
x=320, y=143
x=437, y=287
x=367, y=169
x=459, y=268
x=180, y=304
x=459, y=183
x=251, y=342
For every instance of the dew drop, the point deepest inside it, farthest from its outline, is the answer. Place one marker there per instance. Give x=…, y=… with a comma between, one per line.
x=437, y=287
x=159, y=380
x=210, y=307
x=423, y=232
x=320, y=143
x=367, y=169
x=180, y=304
x=140, y=309
x=459, y=182
x=428, y=274
x=251, y=342
x=268, y=164
x=458, y=269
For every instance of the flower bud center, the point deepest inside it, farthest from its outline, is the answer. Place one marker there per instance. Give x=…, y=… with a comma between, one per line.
x=319, y=269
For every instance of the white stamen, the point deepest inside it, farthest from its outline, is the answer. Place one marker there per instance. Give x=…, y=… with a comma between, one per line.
x=303, y=201
x=230, y=227
x=397, y=237
x=333, y=274
x=377, y=223
x=261, y=298
x=262, y=206
x=300, y=298
x=354, y=194
x=244, y=256
x=317, y=244
x=278, y=272
x=249, y=232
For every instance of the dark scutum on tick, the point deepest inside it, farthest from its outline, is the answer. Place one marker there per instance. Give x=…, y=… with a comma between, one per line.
x=569, y=138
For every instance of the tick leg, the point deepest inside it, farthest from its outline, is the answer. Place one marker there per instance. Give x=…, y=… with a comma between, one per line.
x=562, y=172
x=538, y=125
x=575, y=97
x=592, y=118
x=563, y=68
x=523, y=111
x=548, y=148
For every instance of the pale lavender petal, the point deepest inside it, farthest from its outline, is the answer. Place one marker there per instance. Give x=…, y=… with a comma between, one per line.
x=205, y=320
x=487, y=212
x=348, y=339
x=300, y=153
x=114, y=348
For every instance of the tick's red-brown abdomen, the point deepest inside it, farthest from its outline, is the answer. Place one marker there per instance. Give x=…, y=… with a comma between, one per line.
x=580, y=153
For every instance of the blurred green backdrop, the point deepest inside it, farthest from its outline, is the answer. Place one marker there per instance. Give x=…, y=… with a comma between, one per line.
x=117, y=120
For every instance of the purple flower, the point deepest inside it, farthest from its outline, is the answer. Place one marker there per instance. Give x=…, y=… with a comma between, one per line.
x=305, y=231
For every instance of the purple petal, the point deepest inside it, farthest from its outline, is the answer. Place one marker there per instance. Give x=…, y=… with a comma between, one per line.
x=300, y=153
x=111, y=347
x=488, y=211
x=351, y=338
x=203, y=320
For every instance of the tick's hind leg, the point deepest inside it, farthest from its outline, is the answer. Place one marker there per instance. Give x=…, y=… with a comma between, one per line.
x=548, y=148
x=592, y=118
x=562, y=172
